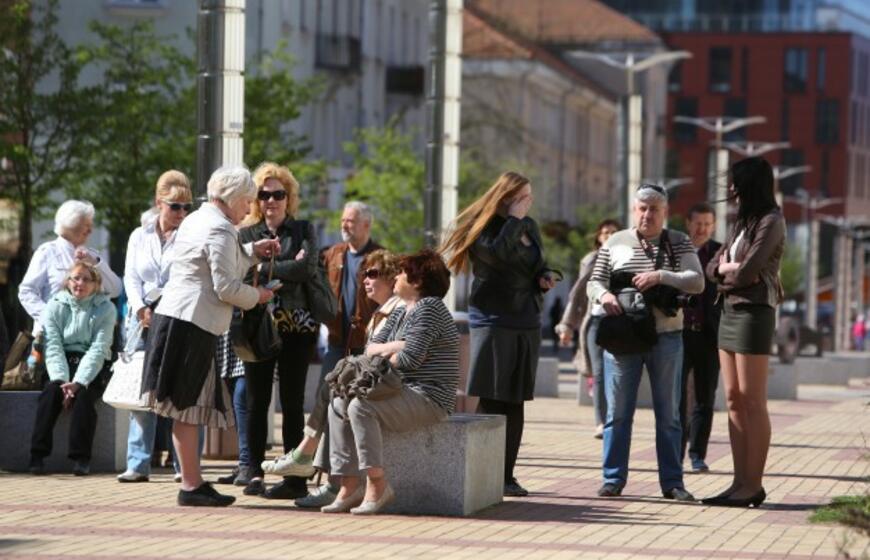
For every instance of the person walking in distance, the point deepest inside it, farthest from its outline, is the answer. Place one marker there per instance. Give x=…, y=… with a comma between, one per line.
x=700, y=356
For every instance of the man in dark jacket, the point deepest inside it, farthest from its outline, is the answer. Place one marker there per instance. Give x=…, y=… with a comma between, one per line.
x=700, y=354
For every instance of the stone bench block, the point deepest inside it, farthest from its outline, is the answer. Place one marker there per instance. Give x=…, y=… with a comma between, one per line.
x=547, y=378
x=17, y=415
x=782, y=381
x=454, y=468
x=832, y=369
x=644, y=394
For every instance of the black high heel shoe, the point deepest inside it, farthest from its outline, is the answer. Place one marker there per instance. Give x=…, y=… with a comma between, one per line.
x=717, y=499
x=752, y=501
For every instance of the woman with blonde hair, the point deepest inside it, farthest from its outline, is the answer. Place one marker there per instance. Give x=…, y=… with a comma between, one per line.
x=273, y=216
x=502, y=246
x=146, y=271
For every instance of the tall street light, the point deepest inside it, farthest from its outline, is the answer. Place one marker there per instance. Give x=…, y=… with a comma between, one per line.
x=631, y=114
x=717, y=185
x=809, y=207
x=750, y=149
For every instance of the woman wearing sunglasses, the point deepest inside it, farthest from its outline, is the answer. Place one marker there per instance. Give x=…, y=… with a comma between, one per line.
x=273, y=215
x=146, y=271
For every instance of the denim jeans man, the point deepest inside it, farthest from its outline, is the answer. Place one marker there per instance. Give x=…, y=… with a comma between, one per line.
x=653, y=257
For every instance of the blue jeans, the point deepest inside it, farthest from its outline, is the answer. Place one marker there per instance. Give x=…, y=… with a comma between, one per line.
x=622, y=375
x=238, y=388
x=140, y=441
x=596, y=361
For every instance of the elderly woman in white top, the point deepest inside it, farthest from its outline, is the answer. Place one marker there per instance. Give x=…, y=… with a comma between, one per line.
x=149, y=256
x=195, y=308
x=73, y=224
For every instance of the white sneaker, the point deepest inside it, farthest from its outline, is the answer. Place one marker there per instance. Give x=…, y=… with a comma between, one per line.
x=285, y=465
x=132, y=476
x=319, y=497
x=177, y=477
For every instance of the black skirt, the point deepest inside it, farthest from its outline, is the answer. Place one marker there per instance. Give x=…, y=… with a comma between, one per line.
x=504, y=363
x=747, y=328
x=180, y=375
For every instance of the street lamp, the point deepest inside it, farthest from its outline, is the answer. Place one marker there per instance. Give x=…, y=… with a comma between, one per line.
x=631, y=114
x=750, y=149
x=717, y=186
x=809, y=207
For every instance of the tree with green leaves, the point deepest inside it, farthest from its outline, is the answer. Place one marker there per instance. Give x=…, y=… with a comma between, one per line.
x=143, y=122
x=40, y=105
x=389, y=175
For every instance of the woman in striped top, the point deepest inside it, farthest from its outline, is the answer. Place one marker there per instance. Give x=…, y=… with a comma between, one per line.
x=422, y=343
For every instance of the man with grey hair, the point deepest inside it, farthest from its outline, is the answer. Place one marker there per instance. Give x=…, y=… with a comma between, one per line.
x=647, y=259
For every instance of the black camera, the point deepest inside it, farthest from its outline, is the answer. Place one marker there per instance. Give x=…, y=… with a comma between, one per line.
x=668, y=299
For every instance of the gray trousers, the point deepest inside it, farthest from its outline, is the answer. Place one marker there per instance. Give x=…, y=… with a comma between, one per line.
x=357, y=443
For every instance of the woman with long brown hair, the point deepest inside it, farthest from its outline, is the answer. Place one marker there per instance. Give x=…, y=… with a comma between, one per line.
x=502, y=246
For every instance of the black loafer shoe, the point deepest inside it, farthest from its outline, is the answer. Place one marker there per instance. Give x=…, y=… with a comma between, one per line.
x=291, y=488
x=679, y=494
x=245, y=475
x=513, y=488
x=204, y=496
x=81, y=468
x=37, y=466
x=609, y=490
x=228, y=478
x=255, y=488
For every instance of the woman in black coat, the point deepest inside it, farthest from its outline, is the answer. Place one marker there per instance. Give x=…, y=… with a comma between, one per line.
x=504, y=248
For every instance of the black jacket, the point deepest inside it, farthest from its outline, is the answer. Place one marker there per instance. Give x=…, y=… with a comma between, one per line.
x=503, y=279
x=707, y=300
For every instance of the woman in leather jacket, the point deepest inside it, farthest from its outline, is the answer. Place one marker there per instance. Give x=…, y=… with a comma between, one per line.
x=746, y=269
x=502, y=246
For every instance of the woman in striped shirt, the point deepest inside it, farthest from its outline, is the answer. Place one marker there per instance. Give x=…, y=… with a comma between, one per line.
x=422, y=344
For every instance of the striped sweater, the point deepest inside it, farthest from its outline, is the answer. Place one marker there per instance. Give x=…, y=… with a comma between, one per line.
x=430, y=360
x=623, y=253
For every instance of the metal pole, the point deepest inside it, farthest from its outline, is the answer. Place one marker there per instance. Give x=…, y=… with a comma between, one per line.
x=812, y=300
x=634, y=151
x=220, y=87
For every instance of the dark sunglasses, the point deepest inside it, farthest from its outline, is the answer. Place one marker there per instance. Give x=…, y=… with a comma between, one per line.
x=372, y=274
x=176, y=206
x=276, y=195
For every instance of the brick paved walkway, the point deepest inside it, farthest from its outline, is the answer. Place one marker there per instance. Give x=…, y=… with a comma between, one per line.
x=819, y=451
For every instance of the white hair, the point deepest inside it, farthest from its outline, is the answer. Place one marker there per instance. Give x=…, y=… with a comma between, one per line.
x=71, y=214
x=650, y=193
x=230, y=183
x=363, y=209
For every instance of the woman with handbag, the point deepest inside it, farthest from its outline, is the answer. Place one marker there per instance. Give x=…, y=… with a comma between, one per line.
x=146, y=271
x=180, y=379
x=273, y=217
x=421, y=342
x=503, y=247
x=746, y=269
x=78, y=324
x=589, y=359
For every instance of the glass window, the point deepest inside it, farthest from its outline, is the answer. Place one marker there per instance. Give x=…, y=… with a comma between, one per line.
x=735, y=107
x=827, y=126
x=795, y=78
x=744, y=70
x=720, y=69
x=821, y=69
x=792, y=158
x=675, y=77
x=785, y=121
x=685, y=107
x=825, y=174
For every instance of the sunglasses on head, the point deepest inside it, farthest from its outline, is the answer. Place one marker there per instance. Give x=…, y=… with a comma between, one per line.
x=656, y=188
x=275, y=195
x=176, y=206
x=372, y=274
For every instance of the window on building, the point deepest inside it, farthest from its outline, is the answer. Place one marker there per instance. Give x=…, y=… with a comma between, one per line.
x=861, y=73
x=795, y=78
x=744, y=70
x=735, y=107
x=675, y=77
x=720, y=69
x=785, y=121
x=825, y=174
x=827, y=126
x=791, y=158
x=821, y=69
x=685, y=107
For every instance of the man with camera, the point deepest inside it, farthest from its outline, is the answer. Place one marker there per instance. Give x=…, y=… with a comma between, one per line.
x=642, y=279
x=701, y=356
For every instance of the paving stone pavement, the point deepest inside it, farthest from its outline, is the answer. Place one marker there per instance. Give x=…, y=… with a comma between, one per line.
x=820, y=450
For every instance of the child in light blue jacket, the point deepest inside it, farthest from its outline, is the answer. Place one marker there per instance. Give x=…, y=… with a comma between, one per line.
x=78, y=325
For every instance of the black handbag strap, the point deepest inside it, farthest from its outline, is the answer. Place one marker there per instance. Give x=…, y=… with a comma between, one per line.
x=665, y=248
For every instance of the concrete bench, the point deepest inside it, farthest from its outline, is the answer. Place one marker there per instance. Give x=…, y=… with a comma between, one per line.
x=833, y=369
x=782, y=381
x=547, y=378
x=17, y=415
x=644, y=393
x=453, y=468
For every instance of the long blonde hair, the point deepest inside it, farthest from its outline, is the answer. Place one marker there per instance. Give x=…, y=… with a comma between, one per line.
x=470, y=223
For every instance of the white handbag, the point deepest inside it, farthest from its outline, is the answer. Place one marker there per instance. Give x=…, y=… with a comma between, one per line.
x=125, y=387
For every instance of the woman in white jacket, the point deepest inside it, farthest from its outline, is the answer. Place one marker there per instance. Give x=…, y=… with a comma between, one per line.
x=195, y=308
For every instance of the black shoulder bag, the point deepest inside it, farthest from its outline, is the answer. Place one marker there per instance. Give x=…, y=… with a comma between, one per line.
x=322, y=303
x=634, y=330
x=253, y=333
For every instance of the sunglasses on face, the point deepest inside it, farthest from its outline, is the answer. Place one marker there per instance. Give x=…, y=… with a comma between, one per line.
x=178, y=206
x=275, y=195
x=372, y=274
x=82, y=279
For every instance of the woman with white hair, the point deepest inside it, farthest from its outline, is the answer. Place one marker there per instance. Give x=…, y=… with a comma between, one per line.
x=46, y=274
x=195, y=308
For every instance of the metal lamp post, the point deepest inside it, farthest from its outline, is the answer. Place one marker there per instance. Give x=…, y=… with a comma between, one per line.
x=717, y=187
x=631, y=128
